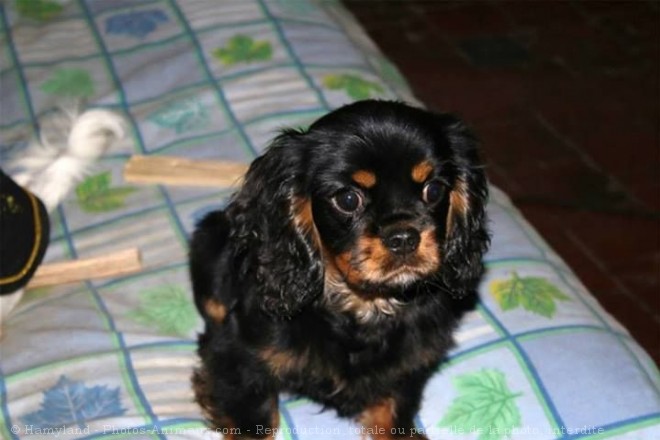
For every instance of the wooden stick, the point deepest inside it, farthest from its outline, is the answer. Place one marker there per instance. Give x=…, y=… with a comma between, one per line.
x=110, y=265
x=169, y=170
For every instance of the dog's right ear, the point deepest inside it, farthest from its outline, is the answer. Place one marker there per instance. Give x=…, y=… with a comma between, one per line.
x=271, y=217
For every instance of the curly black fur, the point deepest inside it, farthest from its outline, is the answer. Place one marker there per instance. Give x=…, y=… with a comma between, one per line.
x=299, y=295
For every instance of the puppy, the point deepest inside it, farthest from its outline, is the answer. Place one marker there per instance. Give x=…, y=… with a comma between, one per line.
x=340, y=269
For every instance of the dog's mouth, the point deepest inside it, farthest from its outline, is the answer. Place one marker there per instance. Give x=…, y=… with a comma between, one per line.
x=404, y=275
x=372, y=282
x=370, y=267
x=368, y=298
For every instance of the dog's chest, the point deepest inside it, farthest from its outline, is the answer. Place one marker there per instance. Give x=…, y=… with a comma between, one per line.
x=330, y=367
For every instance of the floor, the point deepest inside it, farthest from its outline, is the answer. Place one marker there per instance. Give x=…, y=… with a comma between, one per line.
x=565, y=96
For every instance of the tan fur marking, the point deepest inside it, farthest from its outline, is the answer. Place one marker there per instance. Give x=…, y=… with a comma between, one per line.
x=421, y=171
x=216, y=310
x=370, y=260
x=303, y=218
x=282, y=361
x=428, y=251
x=375, y=256
x=378, y=419
x=344, y=264
x=364, y=178
x=459, y=203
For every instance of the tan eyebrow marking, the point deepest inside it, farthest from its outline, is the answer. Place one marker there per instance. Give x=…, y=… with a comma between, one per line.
x=421, y=171
x=364, y=178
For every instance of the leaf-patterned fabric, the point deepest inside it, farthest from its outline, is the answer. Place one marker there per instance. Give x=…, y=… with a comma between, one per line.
x=71, y=403
x=539, y=359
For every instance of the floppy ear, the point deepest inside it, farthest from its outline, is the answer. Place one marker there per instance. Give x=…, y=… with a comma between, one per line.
x=272, y=219
x=467, y=238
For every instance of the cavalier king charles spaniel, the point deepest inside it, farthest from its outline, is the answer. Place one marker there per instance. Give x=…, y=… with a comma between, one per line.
x=340, y=269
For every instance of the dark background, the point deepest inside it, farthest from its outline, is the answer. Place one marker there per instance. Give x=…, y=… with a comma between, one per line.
x=565, y=97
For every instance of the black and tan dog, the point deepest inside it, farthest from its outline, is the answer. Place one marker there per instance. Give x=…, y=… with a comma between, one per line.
x=340, y=269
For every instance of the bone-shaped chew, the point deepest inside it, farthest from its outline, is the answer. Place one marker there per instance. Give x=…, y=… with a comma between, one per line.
x=118, y=263
x=170, y=170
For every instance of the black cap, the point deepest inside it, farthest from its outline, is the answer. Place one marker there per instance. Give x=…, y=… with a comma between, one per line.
x=24, y=234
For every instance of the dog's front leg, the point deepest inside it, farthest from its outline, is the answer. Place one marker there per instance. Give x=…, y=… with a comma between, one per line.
x=239, y=399
x=392, y=417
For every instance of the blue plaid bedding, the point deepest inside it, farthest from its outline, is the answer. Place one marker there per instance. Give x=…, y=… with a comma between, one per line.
x=538, y=359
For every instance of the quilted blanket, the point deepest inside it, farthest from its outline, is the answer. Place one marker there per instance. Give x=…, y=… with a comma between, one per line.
x=215, y=79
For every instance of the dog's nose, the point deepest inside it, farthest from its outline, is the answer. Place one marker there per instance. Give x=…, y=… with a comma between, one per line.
x=402, y=241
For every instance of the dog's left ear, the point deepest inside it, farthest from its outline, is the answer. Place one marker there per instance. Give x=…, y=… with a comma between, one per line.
x=467, y=238
x=272, y=216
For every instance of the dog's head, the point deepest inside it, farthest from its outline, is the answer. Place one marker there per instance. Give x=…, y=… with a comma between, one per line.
x=372, y=201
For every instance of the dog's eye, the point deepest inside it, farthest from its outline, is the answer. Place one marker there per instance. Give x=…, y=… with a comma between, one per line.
x=348, y=201
x=433, y=192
